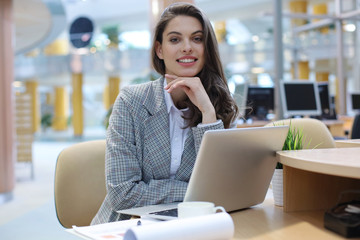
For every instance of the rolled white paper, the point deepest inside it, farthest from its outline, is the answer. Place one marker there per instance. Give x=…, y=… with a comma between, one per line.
x=208, y=227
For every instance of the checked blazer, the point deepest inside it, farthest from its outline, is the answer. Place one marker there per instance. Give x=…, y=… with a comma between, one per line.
x=137, y=165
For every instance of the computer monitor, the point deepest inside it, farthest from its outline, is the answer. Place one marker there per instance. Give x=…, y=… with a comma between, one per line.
x=259, y=102
x=324, y=97
x=300, y=98
x=355, y=101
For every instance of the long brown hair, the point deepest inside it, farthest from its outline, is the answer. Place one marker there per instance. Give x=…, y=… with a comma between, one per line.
x=212, y=75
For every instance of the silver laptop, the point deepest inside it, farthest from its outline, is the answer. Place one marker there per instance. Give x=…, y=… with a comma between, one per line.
x=233, y=169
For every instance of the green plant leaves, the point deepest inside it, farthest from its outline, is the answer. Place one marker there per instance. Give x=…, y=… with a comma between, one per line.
x=294, y=140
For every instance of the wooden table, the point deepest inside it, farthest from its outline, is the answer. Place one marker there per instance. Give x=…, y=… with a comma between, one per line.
x=314, y=178
x=267, y=221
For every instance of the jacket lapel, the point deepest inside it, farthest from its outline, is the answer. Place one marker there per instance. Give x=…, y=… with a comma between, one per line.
x=187, y=159
x=157, y=136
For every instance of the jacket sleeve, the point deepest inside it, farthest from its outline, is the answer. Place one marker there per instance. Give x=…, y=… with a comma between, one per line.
x=199, y=131
x=124, y=166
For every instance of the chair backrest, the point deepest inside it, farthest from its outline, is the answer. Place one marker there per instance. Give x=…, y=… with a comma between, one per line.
x=355, y=130
x=314, y=131
x=80, y=183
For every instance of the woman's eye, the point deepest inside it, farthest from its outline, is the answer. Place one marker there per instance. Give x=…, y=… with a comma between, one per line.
x=198, y=39
x=174, y=40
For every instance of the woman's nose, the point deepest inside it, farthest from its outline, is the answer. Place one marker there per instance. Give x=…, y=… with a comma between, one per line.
x=187, y=48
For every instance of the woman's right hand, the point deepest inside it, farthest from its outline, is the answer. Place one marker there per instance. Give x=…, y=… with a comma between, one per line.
x=194, y=89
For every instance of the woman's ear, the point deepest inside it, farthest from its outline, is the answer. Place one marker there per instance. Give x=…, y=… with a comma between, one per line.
x=158, y=50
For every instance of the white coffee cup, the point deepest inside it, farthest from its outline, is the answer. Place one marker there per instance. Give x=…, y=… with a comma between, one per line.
x=197, y=208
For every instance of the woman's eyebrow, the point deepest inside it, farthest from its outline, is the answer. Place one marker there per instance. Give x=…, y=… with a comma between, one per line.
x=174, y=32
x=178, y=33
x=198, y=31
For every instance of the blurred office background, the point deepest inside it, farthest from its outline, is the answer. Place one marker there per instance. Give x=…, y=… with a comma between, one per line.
x=63, y=62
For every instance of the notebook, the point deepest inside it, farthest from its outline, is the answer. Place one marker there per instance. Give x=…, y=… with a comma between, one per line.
x=233, y=169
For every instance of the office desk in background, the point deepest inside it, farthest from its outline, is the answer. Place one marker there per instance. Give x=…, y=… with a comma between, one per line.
x=336, y=127
x=256, y=123
x=347, y=143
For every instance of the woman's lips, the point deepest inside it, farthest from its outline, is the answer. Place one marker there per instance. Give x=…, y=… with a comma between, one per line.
x=186, y=61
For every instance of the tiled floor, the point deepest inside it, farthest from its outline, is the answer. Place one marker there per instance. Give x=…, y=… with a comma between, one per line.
x=31, y=212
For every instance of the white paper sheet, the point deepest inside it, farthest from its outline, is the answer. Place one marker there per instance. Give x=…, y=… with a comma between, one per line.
x=106, y=231
x=217, y=226
x=209, y=227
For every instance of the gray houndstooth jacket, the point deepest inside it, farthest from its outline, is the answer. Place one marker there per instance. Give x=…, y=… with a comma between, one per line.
x=137, y=165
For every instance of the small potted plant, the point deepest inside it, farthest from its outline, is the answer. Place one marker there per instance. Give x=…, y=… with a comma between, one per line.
x=293, y=141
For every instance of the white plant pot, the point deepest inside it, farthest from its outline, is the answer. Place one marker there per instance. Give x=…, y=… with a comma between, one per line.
x=277, y=187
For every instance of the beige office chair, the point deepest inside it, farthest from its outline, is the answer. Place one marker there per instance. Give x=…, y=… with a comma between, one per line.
x=313, y=129
x=80, y=183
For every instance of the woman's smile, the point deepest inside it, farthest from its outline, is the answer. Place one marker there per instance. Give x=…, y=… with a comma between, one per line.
x=187, y=61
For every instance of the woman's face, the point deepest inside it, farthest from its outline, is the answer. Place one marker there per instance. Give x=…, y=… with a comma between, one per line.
x=182, y=48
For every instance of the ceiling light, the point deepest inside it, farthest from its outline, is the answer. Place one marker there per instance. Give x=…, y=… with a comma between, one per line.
x=257, y=70
x=350, y=27
x=17, y=84
x=255, y=38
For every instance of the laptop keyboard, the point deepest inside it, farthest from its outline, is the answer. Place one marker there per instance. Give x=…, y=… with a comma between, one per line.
x=170, y=212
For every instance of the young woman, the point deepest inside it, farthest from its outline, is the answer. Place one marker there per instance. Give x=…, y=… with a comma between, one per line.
x=156, y=128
